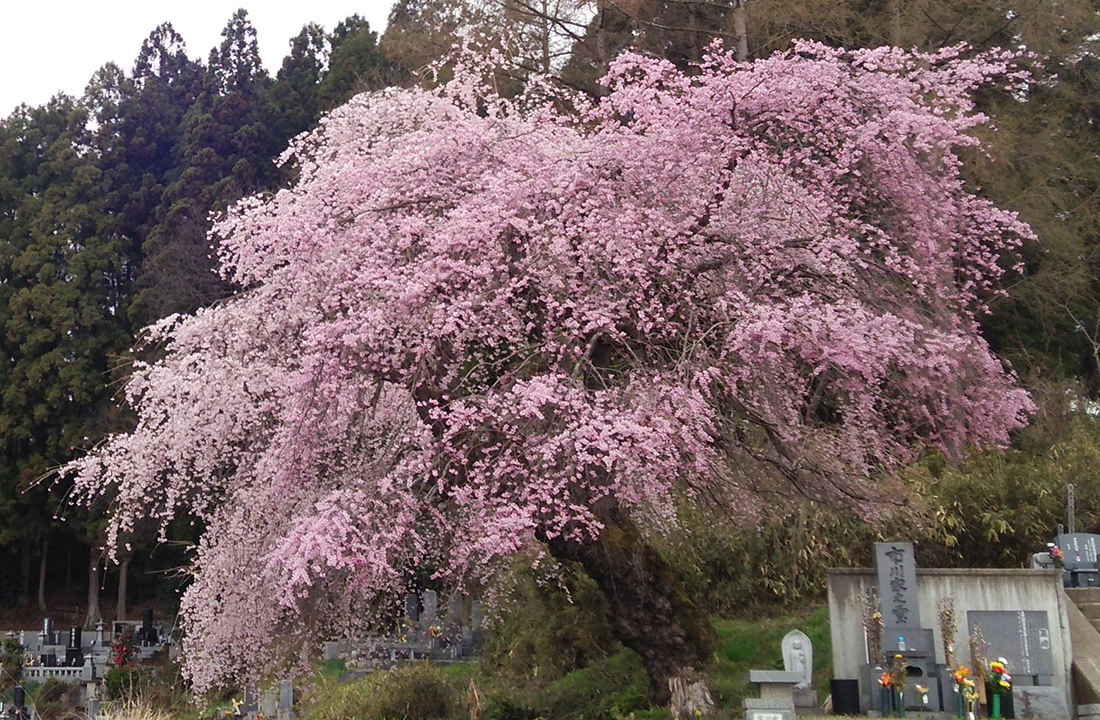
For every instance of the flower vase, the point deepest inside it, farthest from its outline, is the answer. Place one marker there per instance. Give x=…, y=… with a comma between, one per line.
x=960, y=704
x=901, y=704
x=995, y=707
x=887, y=698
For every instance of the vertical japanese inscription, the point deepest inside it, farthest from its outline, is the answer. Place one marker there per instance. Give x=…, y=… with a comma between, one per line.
x=896, y=573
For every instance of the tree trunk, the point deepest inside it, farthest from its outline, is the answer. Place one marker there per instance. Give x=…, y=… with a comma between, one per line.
x=649, y=610
x=740, y=30
x=94, y=615
x=123, y=579
x=42, y=574
x=24, y=573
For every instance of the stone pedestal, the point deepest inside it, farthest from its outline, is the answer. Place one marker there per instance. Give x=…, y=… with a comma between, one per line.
x=759, y=709
x=776, y=701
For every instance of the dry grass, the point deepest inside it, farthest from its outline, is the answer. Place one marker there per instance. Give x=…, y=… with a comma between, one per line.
x=133, y=710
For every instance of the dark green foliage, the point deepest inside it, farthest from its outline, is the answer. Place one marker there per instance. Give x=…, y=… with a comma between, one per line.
x=552, y=620
x=48, y=697
x=506, y=708
x=608, y=690
x=125, y=683
x=414, y=692
x=355, y=63
x=227, y=142
x=295, y=92
x=729, y=568
x=11, y=664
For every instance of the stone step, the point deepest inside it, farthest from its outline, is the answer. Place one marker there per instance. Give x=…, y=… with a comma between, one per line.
x=1083, y=595
x=1090, y=610
x=1088, y=711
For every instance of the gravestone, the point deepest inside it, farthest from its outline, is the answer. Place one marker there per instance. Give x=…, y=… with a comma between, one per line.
x=19, y=700
x=1022, y=637
x=251, y=704
x=798, y=658
x=431, y=607
x=270, y=704
x=74, y=657
x=148, y=632
x=902, y=634
x=412, y=607
x=285, y=711
x=896, y=573
x=454, y=610
x=477, y=615
x=1079, y=551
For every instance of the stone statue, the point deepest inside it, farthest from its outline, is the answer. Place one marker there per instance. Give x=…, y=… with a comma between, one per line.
x=798, y=656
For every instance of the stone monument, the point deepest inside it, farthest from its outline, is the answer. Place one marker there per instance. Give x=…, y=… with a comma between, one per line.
x=798, y=658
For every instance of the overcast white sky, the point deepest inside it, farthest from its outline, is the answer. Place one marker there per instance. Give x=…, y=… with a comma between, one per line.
x=47, y=46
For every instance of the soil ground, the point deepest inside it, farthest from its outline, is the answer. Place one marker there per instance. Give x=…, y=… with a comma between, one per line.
x=65, y=611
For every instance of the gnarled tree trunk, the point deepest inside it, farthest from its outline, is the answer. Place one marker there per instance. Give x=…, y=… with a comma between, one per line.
x=649, y=610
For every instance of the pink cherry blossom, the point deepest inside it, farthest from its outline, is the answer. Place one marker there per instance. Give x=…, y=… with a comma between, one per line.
x=472, y=317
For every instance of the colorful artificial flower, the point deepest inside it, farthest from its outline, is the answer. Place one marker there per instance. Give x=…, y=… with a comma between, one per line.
x=1001, y=681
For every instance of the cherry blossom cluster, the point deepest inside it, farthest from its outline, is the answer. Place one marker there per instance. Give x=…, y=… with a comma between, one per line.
x=471, y=318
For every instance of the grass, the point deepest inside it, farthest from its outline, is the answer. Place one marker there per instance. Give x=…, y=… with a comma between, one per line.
x=745, y=645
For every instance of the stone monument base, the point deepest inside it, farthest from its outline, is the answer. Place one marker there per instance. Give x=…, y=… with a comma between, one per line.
x=805, y=698
x=758, y=709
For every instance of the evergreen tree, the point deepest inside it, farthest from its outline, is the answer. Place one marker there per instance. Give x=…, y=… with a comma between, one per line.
x=295, y=92
x=227, y=144
x=63, y=323
x=356, y=64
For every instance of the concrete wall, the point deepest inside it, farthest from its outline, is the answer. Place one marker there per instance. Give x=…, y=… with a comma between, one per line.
x=974, y=589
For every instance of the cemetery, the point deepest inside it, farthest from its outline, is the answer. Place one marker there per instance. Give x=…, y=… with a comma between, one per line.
x=930, y=642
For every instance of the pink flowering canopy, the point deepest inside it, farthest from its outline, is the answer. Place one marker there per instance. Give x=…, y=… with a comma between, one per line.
x=472, y=318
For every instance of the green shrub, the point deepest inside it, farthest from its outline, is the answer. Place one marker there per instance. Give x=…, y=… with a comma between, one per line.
x=124, y=683
x=506, y=708
x=549, y=620
x=609, y=689
x=11, y=663
x=414, y=692
x=48, y=697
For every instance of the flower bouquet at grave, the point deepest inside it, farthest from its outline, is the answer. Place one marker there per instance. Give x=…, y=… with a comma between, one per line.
x=1057, y=555
x=922, y=691
x=124, y=648
x=1000, y=683
x=965, y=691
x=899, y=675
x=886, y=685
